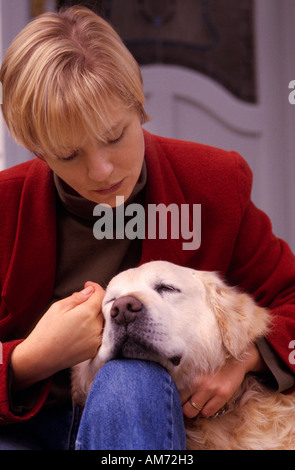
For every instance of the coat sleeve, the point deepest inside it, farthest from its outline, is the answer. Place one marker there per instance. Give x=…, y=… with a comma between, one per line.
x=264, y=266
x=12, y=183
x=8, y=412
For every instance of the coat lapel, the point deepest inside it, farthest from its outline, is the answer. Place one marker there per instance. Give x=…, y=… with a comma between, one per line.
x=163, y=187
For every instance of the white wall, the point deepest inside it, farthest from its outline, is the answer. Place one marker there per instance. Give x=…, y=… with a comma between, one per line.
x=15, y=14
x=275, y=41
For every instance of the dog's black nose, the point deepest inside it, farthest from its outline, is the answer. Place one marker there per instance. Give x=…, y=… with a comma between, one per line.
x=125, y=309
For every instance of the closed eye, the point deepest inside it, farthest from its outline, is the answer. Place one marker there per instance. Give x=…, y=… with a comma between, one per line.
x=117, y=140
x=108, y=301
x=70, y=157
x=163, y=288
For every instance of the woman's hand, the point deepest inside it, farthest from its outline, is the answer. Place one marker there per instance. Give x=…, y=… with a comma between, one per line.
x=212, y=392
x=68, y=333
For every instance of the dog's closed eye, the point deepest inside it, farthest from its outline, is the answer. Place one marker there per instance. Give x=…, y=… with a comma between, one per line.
x=162, y=288
x=108, y=301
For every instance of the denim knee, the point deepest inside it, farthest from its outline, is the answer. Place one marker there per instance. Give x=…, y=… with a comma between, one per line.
x=132, y=405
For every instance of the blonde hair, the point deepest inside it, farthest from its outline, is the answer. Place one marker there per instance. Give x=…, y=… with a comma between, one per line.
x=63, y=74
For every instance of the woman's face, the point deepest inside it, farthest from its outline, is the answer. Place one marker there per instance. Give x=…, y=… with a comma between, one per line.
x=101, y=171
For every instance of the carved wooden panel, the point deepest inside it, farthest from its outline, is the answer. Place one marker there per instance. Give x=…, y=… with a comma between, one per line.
x=214, y=37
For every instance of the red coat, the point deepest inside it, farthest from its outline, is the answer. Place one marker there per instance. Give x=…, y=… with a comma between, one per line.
x=236, y=240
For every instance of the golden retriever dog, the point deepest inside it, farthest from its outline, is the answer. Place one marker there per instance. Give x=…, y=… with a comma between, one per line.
x=191, y=322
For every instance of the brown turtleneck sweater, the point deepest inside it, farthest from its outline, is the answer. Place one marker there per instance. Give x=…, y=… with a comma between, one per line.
x=81, y=257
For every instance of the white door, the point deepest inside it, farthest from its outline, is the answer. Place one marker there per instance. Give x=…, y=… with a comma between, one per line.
x=185, y=104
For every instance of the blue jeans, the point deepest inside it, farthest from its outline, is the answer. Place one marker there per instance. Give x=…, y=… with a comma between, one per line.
x=132, y=405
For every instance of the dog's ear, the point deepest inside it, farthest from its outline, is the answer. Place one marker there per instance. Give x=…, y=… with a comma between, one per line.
x=241, y=321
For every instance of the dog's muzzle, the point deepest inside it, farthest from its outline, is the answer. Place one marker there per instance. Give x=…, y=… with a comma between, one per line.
x=132, y=334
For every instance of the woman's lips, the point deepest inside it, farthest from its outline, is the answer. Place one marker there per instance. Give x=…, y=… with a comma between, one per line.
x=109, y=189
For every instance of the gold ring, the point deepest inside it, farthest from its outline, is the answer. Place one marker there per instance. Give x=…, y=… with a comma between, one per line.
x=198, y=408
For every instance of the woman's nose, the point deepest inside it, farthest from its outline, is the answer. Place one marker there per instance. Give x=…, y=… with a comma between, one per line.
x=99, y=167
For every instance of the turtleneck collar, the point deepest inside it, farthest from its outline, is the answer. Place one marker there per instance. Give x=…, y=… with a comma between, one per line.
x=81, y=207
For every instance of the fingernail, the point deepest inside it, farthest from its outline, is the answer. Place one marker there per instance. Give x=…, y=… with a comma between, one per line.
x=88, y=290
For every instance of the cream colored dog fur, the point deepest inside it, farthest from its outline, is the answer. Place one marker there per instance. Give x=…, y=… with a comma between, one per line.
x=191, y=323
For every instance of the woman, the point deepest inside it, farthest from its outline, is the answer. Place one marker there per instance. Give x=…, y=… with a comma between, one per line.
x=72, y=95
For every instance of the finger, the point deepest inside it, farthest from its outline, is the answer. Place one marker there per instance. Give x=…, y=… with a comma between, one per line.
x=212, y=406
x=75, y=299
x=97, y=296
x=199, y=399
x=193, y=407
x=95, y=285
x=185, y=396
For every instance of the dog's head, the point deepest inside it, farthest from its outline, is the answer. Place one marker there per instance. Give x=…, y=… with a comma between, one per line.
x=182, y=318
